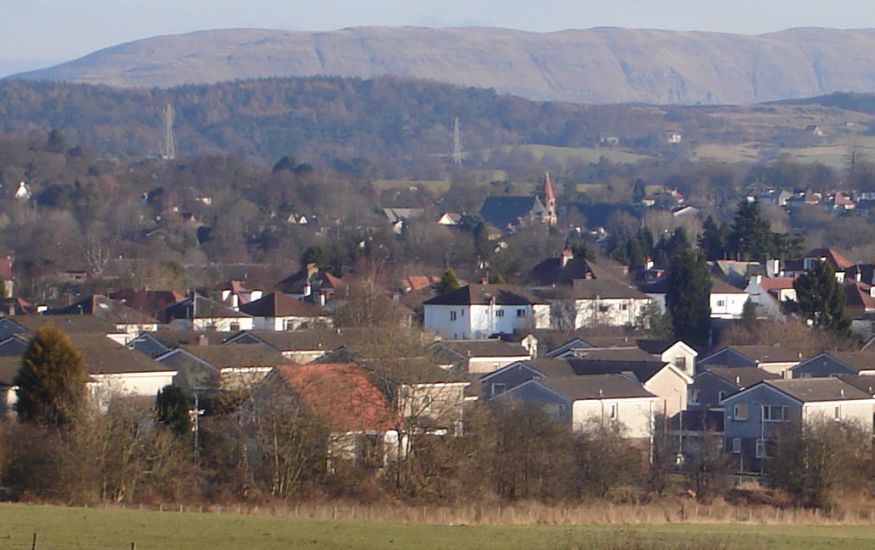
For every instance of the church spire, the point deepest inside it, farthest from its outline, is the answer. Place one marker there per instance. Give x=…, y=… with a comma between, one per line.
x=550, y=217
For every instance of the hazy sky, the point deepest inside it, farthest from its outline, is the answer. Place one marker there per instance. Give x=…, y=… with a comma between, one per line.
x=36, y=33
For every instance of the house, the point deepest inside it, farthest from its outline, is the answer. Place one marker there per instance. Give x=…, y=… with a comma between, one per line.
x=201, y=314
x=26, y=325
x=677, y=353
x=770, y=293
x=838, y=260
x=710, y=387
x=150, y=302
x=7, y=278
x=14, y=345
x=279, y=311
x=224, y=366
x=399, y=217
x=361, y=424
x=155, y=344
x=431, y=400
x=122, y=317
x=727, y=301
x=600, y=302
x=118, y=370
x=478, y=311
x=582, y=402
x=776, y=359
x=737, y=272
x=415, y=283
x=510, y=376
x=450, y=219
x=234, y=294
x=311, y=284
x=835, y=364
x=299, y=346
x=478, y=356
x=754, y=415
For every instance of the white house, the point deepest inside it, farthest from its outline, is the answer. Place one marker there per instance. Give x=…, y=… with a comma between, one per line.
x=478, y=311
x=279, y=311
x=727, y=301
x=200, y=313
x=478, y=356
x=601, y=302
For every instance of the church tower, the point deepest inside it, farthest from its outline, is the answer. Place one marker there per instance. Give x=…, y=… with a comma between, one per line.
x=550, y=217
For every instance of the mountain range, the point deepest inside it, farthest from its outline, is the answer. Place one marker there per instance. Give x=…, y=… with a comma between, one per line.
x=599, y=65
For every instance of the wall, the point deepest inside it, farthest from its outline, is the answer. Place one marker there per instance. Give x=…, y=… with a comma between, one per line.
x=138, y=383
x=731, y=308
x=634, y=414
x=671, y=389
x=615, y=312
x=476, y=322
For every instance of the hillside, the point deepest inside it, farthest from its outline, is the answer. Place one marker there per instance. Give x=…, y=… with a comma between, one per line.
x=600, y=65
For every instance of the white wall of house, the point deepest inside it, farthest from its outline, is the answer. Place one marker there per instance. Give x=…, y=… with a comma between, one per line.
x=670, y=387
x=473, y=322
x=857, y=411
x=615, y=312
x=235, y=378
x=634, y=414
x=133, y=383
x=288, y=322
x=478, y=365
x=439, y=405
x=682, y=357
x=726, y=305
x=8, y=398
x=221, y=324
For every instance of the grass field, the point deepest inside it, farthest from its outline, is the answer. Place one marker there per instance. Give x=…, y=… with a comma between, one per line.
x=583, y=154
x=63, y=528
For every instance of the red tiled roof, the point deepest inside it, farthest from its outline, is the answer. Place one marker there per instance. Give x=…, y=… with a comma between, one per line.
x=340, y=393
x=776, y=283
x=277, y=304
x=838, y=259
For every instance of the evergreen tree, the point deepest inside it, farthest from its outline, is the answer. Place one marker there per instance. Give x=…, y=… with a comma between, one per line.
x=712, y=240
x=312, y=255
x=51, y=380
x=172, y=409
x=822, y=299
x=750, y=237
x=688, y=299
x=635, y=253
x=449, y=282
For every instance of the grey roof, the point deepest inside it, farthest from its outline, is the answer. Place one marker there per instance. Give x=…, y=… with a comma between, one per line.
x=175, y=338
x=483, y=348
x=478, y=294
x=112, y=311
x=200, y=308
x=642, y=370
x=502, y=211
x=308, y=339
x=811, y=390
x=864, y=383
x=859, y=360
x=120, y=360
x=602, y=386
x=591, y=289
x=741, y=377
x=770, y=354
x=67, y=323
x=552, y=272
x=552, y=368
x=240, y=356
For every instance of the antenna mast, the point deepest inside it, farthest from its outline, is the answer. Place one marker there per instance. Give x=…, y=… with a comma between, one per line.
x=457, y=144
x=169, y=151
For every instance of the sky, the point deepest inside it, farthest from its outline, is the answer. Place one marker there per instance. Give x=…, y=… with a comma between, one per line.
x=40, y=33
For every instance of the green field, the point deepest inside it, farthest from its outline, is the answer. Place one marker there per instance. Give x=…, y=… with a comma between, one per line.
x=582, y=154
x=59, y=527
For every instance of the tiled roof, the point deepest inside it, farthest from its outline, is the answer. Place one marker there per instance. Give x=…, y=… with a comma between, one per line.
x=240, y=356
x=643, y=370
x=591, y=289
x=776, y=283
x=67, y=323
x=201, y=308
x=811, y=390
x=112, y=311
x=838, y=260
x=484, y=348
x=770, y=354
x=340, y=393
x=118, y=361
x=742, y=377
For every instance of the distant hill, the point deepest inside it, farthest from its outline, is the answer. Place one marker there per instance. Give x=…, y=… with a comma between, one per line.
x=600, y=65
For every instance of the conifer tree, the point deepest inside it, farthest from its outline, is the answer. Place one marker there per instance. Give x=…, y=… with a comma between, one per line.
x=751, y=236
x=822, y=299
x=688, y=299
x=449, y=282
x=51, y=380
x=172, y=409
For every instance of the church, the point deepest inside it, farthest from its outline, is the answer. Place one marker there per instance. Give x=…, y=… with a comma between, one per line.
x=512, y=211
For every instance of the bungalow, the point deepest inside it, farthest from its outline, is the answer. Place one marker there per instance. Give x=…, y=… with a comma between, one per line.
x=201, y=314
x=479, y=311
x=118, y=370
x=279, y=311
x=26, y=325
x=155, y=344
x=478, y=356
x=226, y=367
x=835, y=364
x=581, y=402
x=755, y=414
x=359, y=420
x=310, y=284
x=726, y=301
x=122, y=317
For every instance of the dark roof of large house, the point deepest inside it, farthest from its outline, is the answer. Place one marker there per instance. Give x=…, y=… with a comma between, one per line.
x=858, y=296
x=502, y=211
x=296, y=282
x=200, y=308
x=241, y=356
x=839, y=260
x=175, y=338
x=643, y=370
x=863, y=383
x=741, y=377
x=770, y=354
x=552, y=272
x=616, y=354
x=859, y=360
x=597, y=214
x=278, y=304
x=552, y=368
x=809, y=390
x=112, y=311
x=150, y=302
x=599, y=386
x=479, y=294
x=592, y=289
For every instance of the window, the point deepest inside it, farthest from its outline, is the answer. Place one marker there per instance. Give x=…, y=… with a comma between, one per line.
x=520, y=313
x=774, y=413
x=499, y=313
x=761, y=448
x=462, y=312
x=739, y=412
x=613, y=411
x=838, y=412
x=680, y=362
x=452, y=316
x=736, y=445
x=498, y=388
x=693, y=396
x=624, y=307
x=721, y=303
x=234, y=327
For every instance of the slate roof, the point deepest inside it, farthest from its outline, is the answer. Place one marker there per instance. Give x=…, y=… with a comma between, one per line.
x=599, y=386
x=176, y=338
x=552, y=272
x=479, y=294
x=859, y=360
x=278, y=304
x=502, y=211
x=552, y=368
x=306, y=340
x=67, y=323
x=642, y=370
x=483, y=348
x=862, y=383
x=237, y=356
x=770, y=354
x=812, y=390
x=340, y=393
x=120, y=360
x=741, y=377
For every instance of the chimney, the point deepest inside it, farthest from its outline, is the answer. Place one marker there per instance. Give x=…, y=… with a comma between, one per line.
x=758, y=279
x=567, y=256
x=312, y=269
x=322, y=300
x=859, y=276
x=307, y=289
x=235, y=302
x=648, y=263
x=738, y=381
x=202, y=340
x=842, y=391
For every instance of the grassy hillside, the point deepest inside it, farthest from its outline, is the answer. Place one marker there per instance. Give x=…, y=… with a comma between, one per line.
x=59, y=527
